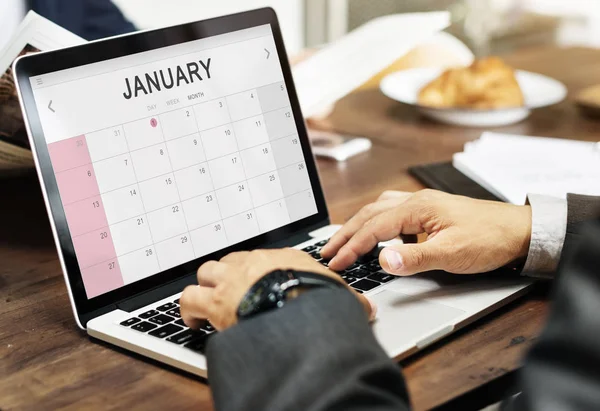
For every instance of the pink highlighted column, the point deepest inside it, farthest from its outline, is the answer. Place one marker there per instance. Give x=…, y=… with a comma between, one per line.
x=86, y=218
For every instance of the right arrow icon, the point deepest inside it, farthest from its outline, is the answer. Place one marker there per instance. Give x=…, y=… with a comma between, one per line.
x=50, y=107
x=268, y=53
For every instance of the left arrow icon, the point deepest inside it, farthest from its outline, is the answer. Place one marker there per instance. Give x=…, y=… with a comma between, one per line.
x=50, y=107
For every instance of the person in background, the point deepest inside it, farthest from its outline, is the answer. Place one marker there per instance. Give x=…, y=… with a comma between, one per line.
x=90, y=19
x=316, y=352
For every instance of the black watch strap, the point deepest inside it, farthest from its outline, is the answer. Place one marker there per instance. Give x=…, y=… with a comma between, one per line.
x=271, y=290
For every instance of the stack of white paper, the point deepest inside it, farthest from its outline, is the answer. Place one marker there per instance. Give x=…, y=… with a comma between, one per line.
x=342, y=66
x=512, y=166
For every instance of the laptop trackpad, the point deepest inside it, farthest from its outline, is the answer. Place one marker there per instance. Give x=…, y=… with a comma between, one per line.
x=405, y=320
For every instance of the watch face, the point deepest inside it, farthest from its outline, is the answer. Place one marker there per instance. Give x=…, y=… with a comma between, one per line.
x=256, y=294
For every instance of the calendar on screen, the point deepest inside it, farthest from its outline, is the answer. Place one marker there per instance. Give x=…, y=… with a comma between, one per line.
x=165, y=156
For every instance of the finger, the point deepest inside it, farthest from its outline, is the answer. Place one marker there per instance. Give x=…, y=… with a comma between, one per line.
x=392, y=194
x=382, y=227
x=368, y=305
x=409, y=259
x=236, y=257
x=212, y=272
x=196, y=305
x=344, y=234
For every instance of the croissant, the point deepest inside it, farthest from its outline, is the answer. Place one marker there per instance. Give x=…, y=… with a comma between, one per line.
x=488, y=83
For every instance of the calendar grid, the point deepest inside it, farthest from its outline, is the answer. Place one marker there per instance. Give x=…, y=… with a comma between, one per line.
x=245, y=181
x=182, y=108
x=216, y=199
x=178, y=169
x=191, y=198
x=270, y=140
x=181, y=184
x=187, y=232
x=175, y=236
x=141, y=195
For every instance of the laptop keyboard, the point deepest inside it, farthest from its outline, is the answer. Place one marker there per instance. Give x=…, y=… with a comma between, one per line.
x=362, y=276
x=164, y=321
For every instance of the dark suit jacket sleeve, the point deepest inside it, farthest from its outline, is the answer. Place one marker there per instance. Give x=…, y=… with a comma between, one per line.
x=581, y=210
x=562, y=371
x=316, y=353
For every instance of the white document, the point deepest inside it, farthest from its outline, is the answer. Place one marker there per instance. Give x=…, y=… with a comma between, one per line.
x=342, y=66
x=35, y=33
x=512, y=166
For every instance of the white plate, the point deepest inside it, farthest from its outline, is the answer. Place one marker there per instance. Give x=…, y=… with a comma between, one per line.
x=538, y=91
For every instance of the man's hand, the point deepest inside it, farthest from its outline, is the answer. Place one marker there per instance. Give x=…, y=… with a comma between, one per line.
x=223, y=284
x=464, y=235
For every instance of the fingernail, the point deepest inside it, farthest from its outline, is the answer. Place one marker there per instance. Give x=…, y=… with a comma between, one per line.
x=373, y=310
x=393, y=258
x=332, y=261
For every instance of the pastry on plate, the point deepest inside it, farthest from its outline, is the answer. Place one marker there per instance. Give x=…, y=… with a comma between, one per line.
x=488, y=83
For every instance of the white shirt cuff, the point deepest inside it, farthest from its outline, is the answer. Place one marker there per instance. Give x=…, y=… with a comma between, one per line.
x=548, y=232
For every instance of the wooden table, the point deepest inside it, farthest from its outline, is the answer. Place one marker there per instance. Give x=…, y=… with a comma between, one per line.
x=47, y=363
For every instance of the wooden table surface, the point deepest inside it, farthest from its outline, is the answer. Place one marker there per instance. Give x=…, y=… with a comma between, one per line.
x=46, y=362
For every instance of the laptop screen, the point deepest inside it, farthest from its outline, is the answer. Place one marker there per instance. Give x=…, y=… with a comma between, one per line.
x=165, y=156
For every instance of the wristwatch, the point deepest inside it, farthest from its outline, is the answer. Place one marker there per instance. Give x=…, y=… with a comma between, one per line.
x=272, y=290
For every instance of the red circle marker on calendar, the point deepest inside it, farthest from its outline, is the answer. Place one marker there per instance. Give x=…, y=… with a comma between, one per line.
x=153, y=122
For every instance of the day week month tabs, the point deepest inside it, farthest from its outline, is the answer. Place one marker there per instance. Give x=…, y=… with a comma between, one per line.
x=165, y=156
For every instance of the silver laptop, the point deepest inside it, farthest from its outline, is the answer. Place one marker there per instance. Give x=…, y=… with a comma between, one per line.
x=163, y=149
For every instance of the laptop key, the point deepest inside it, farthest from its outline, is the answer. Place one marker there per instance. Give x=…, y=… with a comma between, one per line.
x=199, y=344
x=316, y=255
x=353, y=267
x=176, y=301
x=161, y=319
x=373, y=268
x=381, y=277
x=174, y=313
x=131, y=321
x=207, y=326
x=348, y=279
x=166, y=307
x=322, y=243
x=144, y=326
x=372, y=255
x=358, y=273
x=365, y=285
x=186, y=336
x=309, y=249
x=148, y=314
x=165, y=331
x=180, y=322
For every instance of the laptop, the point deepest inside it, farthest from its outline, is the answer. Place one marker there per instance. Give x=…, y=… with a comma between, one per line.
x=160, y=150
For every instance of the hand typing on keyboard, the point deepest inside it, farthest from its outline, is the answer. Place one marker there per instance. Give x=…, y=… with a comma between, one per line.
x=464, y=235
x=222, y=284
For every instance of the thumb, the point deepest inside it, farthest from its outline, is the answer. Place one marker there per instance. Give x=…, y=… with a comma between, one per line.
x=409, y=259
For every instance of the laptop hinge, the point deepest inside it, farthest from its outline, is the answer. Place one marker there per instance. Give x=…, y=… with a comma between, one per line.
x=297, y=238
x=141, y=300
x=156, y=294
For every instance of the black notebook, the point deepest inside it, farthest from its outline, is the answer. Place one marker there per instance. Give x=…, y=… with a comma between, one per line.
x=444, y=177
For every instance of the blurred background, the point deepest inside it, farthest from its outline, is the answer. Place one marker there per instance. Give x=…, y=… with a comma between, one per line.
x=486, y=26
